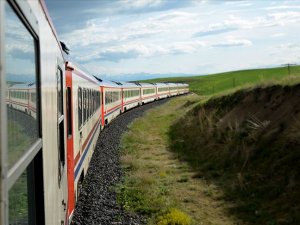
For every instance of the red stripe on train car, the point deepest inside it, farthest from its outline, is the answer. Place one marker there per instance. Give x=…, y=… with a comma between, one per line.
x=70, y=151
x=102, y=106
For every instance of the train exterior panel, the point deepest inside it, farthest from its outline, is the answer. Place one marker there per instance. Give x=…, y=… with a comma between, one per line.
x=183, y=88
x=35, y=161
x=173, y=89
x=162, y=90
x=131, y=95
x=84, y=126
x=112, y=101
x=148, y=93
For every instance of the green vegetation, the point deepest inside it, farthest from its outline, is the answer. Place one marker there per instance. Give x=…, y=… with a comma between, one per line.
x=217, y=83
x=174, y=217
x=156, y=184
x=247, y=144
x=230, y=156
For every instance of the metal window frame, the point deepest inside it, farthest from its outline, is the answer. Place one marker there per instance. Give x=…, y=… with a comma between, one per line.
x=3, y=124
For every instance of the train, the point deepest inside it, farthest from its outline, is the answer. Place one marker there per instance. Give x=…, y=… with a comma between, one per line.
x=52, y=112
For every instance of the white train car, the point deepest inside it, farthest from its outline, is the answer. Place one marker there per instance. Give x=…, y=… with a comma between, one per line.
x=148, y=93
x=162, y=90
x=84, y=125
x=112, y=100
x=131, y=93
x=33, y=183
x=183, y=88
x=173, y=89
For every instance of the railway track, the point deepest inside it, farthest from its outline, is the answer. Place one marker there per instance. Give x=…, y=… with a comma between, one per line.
x=97, y=203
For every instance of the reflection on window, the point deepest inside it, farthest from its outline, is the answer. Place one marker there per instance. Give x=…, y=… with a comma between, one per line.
x=21, y=76
x=18, y=202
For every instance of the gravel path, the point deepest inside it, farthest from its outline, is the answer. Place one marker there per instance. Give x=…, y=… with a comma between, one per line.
x=97, y=202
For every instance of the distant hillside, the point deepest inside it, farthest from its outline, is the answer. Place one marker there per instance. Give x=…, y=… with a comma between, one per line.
x=216, y=83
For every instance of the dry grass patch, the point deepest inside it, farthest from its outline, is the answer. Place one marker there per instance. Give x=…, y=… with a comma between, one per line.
x=157, y=184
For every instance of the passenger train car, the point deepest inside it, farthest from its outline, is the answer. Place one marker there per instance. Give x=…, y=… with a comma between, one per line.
x=54, y=113
x=131, y=95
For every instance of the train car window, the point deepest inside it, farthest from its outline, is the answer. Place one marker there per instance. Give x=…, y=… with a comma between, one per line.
x=79, y=108
x=69, y=111
x=90, y=103
x=20, y=51
x=84, y=105
x=59, y=77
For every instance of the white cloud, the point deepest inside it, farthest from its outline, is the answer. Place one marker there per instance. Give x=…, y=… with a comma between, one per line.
x=141, y=3
x=278, y=35
x=233, y=23
x=281, y=7
x=137, y=50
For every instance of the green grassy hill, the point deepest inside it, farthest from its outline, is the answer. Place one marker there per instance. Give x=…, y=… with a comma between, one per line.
x=216, y=83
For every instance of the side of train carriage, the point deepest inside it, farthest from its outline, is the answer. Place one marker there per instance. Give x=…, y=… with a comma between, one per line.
x=33, y=183
x=53, y=116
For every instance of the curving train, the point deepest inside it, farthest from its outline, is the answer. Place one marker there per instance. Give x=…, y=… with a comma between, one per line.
x=51, y=114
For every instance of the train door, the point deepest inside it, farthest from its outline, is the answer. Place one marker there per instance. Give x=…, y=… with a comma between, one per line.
x=61, y=145
x=21, y=155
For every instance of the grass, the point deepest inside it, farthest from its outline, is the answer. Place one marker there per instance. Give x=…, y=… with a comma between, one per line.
x=156, y=184
x=179, y=157
x=217, y=83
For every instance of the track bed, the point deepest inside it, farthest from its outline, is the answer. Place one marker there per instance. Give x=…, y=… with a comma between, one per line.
x=97, y=202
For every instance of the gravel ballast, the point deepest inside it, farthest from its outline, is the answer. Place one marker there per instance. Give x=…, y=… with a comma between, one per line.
x=97, y=203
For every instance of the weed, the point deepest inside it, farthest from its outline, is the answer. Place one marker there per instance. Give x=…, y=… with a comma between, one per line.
x=174, y=217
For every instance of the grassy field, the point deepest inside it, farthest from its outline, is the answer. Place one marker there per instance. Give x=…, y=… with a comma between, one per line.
x=217, y=83
x=159, y=186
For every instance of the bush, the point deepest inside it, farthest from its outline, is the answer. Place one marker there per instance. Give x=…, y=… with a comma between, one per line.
x=174, y=217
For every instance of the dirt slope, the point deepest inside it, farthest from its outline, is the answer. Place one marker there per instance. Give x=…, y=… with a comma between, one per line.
x=248, y=143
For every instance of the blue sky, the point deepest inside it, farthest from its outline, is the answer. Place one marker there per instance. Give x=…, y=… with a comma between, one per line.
x=117, y=39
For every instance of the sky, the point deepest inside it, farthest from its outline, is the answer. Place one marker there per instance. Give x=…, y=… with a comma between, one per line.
x=139, y=39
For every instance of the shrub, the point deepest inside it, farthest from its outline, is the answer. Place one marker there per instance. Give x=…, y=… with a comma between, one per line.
x=174, y=217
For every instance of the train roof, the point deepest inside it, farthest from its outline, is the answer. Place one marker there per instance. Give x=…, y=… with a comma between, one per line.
x=172, y=84
x=130, y=85
x=22, y=86
x=149, y=85
x=81, y=70
x=106, y=83
x=161, y=84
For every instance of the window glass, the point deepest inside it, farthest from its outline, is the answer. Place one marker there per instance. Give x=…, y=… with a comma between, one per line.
x=79, y=107
x=21, y=74
x=84, y=105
